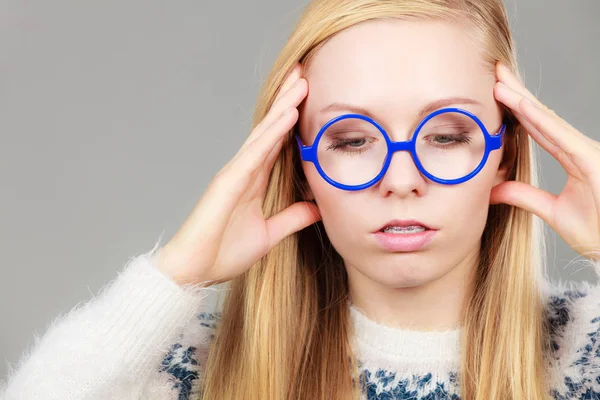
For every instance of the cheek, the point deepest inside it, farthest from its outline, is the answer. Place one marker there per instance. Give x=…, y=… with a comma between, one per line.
x=475, y=193
x=314, y=180
x=335, y=205
x=326, y=195
x=466, y=205
x=490, y=175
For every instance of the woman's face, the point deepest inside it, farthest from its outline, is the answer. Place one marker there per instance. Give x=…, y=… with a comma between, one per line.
x=395, y=69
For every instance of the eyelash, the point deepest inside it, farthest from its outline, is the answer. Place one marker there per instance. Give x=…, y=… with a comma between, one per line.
x=343, y=143
x=457, y=140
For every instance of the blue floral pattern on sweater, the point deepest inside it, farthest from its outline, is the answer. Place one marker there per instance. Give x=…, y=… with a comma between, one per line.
x=182, y=365
x=581, y=376
x=384, y=384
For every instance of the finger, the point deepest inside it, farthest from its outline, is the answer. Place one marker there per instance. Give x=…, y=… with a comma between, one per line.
x=263, y=177
x=527, y=197
x=584, y=155
x=506, y=76
x=293, y=219
x=270, y=161
x=292, y=77
x=545, y=123
x=292, y=98
x=257, y=152
x=542, y=140
x=274, y=153
x=289, y=84
x=239, y=169
x=549, y=146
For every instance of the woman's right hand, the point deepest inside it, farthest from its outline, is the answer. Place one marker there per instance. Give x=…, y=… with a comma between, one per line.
x=226, y=232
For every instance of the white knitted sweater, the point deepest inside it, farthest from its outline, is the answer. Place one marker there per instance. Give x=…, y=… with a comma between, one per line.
x=145, y=337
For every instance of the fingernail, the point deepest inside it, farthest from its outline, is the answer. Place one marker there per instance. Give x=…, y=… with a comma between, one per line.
x=502, y=85
x=531, y=103
x=293, y=72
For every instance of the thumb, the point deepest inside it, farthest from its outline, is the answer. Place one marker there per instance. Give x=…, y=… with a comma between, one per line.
x=527, y=197
x=293, y=219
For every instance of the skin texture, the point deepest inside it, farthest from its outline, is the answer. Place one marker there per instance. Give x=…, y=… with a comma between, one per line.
x=394, y=69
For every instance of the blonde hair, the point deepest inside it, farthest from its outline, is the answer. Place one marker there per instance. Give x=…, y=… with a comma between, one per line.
x=285, y=330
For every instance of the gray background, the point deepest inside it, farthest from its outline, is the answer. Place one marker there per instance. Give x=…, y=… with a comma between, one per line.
x=115, y=115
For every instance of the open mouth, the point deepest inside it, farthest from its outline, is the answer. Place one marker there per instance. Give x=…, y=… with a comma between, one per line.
x=404, y=230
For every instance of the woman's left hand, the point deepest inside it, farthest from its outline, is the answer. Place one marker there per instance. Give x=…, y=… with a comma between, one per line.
x=575, y=213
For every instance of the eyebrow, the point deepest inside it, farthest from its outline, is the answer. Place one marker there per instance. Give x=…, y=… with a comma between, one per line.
x=428, y=108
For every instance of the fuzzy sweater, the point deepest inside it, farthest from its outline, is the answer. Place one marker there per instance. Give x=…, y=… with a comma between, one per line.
x=145, y=337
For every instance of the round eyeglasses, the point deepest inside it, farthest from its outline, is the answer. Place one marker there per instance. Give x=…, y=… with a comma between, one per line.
x=353, y=152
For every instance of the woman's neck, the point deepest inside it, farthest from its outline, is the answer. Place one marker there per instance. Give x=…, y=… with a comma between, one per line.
x=433, y=306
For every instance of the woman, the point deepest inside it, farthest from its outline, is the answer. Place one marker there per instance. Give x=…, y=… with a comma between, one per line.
x=397, y=133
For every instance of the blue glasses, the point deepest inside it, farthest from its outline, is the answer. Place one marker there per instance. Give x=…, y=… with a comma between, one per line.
x=353, y=152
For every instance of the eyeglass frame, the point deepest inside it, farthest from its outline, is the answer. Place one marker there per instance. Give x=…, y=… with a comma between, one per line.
x=492, y=142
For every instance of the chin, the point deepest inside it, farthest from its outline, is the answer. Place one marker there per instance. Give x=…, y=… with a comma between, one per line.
x=404, y=275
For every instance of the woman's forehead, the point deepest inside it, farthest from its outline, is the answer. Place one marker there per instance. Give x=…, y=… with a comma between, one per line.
x=401, y=59
x=397, y=67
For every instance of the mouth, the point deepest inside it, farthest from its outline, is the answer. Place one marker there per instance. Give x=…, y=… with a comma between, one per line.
x=404, y=235
x=404, y=227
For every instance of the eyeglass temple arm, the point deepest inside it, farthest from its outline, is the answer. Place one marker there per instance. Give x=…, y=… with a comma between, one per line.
x=307, y=153
x=495, y=141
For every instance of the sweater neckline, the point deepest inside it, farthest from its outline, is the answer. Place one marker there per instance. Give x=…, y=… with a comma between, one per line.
x=405, y=343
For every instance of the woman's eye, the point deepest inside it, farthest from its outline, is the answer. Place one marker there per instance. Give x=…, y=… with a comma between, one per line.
x=444, y=139
x=451, y=139
x=356, y=142
x=349, y=145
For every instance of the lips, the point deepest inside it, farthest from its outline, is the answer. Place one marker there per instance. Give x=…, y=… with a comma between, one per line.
x=404, y=222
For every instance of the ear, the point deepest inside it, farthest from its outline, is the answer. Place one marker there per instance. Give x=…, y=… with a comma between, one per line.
x=501, y=174
x=506, y=164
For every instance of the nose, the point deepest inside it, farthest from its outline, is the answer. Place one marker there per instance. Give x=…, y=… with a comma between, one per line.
x=402, y=176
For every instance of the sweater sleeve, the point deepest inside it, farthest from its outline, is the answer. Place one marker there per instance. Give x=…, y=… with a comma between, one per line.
x=575, y=327
x=113, y=346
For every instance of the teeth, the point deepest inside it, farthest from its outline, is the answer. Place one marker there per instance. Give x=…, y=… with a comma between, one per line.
x=404, y=229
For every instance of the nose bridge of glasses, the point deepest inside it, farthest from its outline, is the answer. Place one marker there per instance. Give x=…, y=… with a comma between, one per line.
x=400, y=146
x=407, y=146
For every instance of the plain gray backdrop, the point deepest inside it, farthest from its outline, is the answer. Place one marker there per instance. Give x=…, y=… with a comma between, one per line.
x=115, y=115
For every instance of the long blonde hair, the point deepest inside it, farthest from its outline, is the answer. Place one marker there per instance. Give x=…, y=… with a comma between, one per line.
x=285, y=330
